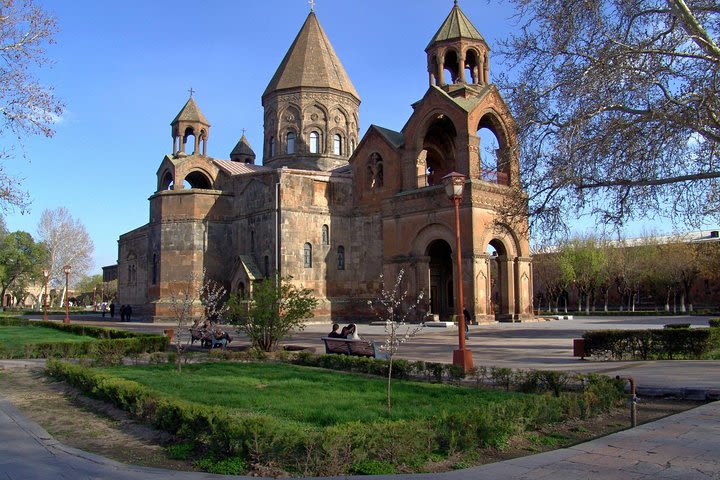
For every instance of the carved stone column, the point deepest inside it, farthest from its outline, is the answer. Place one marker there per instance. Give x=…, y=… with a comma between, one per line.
x=523, y=288
x=481, y=295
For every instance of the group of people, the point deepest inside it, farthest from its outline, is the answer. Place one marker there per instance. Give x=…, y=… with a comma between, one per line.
x=125, y=311
x=349, y=332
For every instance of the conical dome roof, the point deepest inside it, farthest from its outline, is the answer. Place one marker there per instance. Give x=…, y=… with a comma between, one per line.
x=190, y=113
x=311, y=62
x=242, y=148
x=456, y=26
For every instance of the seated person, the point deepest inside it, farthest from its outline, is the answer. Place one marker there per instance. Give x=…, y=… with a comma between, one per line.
x=352, y=332
x=335, y=332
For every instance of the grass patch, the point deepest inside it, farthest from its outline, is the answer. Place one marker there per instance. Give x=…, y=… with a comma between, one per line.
x=304, y=395
x=14, y=338
x=313, y=422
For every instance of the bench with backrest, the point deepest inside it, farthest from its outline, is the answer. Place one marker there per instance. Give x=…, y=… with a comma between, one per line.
x=358, y=348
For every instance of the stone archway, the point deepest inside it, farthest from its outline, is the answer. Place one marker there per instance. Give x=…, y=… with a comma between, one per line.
x=440, y=270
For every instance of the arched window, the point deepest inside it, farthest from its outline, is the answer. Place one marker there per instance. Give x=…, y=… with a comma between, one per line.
x=272, y=146
x=314, y=142
x=325, y=235
x=307, y=255
x=341, y=258
x=290, y=142
x=375, y=177
x=337, y=144
x=154, y=268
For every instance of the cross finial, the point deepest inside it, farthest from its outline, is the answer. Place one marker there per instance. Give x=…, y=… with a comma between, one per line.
x=312, y=5
x=243, y=130
x=456, y=3
x=191, y=92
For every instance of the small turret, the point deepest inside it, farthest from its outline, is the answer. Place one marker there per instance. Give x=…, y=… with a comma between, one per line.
x=190, y=122
x=243, y=152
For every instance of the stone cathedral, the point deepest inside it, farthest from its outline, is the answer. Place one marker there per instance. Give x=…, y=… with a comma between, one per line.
x=335, y=211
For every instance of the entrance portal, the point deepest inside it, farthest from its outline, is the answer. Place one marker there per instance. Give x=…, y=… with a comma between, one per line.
x=442, y=298
x=498, y=301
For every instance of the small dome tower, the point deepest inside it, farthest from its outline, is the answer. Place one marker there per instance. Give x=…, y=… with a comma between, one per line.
x=456, y=47
x=190, y=122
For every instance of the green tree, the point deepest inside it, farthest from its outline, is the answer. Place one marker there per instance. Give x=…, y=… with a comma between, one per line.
x=582, y=261
x=276, y=308
x=20, y=257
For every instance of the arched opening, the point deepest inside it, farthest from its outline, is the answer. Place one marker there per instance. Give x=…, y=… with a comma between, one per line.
x=154, y=269
x=188, y=142
x=472, y=63
x=375, y=176
x=203, y=142
x=497, y=300
x=241, y=290
x=494, y=151
x=325, y=235
x=290, y=143
x=167, y=181
x=307, y=256
x=451, y=66
x=314, y=142
x=341, y=258
x=442, y=298
x=439, y=142
x=271, y=146
x=337, y=144
x=197, y=179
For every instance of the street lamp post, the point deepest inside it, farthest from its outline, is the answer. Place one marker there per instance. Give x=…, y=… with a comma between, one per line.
x=454, y=183
x=66, y=269
x=94, y=304
x=46, y=275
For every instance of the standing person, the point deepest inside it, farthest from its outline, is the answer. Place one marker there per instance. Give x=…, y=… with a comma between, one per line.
x=335, y=331
x=122, y=312
x=128, y=313
x=103, y=307
x=112, y=309
x=466, y=314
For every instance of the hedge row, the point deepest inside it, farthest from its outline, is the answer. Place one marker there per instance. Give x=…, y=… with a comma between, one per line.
x=671, y=343
x=112, y=346
x=338, y=449
x=714, y=322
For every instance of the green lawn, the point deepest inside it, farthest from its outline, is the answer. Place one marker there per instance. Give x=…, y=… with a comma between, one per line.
x=14, y=338
x=305, y=395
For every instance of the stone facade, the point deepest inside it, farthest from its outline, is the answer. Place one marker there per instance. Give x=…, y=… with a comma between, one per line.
x=335, y=214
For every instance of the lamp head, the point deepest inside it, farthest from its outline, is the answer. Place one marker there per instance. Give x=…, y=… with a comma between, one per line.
x=454, y=183
x=66, y=269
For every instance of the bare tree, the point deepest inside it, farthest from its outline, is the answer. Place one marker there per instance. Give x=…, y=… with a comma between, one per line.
x=68, y=243
x=618, y=107
x=391, y=306
x=26, y=106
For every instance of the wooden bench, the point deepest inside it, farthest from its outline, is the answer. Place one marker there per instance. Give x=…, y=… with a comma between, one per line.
x=358, y=348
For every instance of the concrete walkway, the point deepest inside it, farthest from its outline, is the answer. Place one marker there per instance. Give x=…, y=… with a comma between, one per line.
x=683, y=446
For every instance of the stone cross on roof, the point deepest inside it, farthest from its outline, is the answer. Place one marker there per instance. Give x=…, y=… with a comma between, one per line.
x=191, y=92
x=312, y=5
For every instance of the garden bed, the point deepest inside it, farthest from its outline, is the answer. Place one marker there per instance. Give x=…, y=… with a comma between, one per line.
x=21, y=338
x=310, y=421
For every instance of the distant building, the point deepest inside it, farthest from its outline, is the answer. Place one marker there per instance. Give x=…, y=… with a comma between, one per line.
x=332, y=210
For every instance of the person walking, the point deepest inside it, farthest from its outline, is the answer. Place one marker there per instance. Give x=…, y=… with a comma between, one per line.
x=466, y=315
x=112, y=309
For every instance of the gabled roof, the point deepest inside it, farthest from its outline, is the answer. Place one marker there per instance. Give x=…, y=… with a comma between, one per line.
x=190, y=113
x=251, y=270
x=456, y=26
x=311, y=62
x=242, y=148
x=396, y=139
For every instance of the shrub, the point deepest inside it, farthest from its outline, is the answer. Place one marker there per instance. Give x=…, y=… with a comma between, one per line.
x=677, y=325
x=714, y=322
x=181, y=451
x=656, y=344
x=372, y=467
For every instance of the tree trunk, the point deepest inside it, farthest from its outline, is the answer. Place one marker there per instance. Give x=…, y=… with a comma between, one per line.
x=389, y=405
x=682, y=302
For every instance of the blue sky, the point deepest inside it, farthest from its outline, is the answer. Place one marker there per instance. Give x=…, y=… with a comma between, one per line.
x=123, y=69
